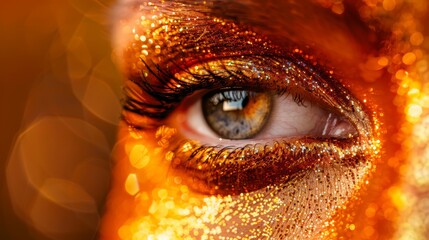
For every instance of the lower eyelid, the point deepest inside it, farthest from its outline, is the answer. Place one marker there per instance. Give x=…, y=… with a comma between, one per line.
x=214, y=170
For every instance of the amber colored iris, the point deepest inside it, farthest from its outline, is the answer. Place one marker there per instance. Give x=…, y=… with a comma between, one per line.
x=236, y=114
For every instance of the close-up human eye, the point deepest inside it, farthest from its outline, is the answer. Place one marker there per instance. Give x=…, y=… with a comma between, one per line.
x=217, y=119
x=242, y=114
x=258, y=112
x=265, y=136
x=285, y=107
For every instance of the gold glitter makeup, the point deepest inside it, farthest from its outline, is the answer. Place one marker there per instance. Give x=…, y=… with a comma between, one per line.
x=268, y=189
x=241, y=119
x=169, y=185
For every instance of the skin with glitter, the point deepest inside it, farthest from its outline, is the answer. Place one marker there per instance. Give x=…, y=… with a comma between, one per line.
x=173, y=186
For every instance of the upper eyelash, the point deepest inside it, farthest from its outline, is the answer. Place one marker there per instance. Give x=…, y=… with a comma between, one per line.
x=232, y=94
x=167, y=95
x=160, y=98
x=154, y=95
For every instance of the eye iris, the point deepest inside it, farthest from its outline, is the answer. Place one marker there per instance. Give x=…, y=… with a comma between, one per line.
x=236, y=114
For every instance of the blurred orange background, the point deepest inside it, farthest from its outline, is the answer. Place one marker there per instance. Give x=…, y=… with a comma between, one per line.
x=58, y=88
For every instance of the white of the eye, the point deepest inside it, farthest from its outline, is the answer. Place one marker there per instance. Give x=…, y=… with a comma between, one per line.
x=193, y=124
x=287, y=119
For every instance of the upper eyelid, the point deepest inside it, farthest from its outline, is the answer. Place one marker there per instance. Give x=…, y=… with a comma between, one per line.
x=265, y=49
x=127, y=11
x=339, y=100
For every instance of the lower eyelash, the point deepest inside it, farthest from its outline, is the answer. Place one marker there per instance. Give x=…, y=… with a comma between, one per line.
x=231, y=171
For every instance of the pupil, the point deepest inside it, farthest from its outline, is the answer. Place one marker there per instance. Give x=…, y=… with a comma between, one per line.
x=245, y=101
x=236, y=114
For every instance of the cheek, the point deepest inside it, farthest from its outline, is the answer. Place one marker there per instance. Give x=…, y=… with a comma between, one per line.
x=149, y=198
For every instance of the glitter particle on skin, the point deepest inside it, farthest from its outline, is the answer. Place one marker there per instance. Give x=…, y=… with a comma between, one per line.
x=275, y=210
x=281, y=210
